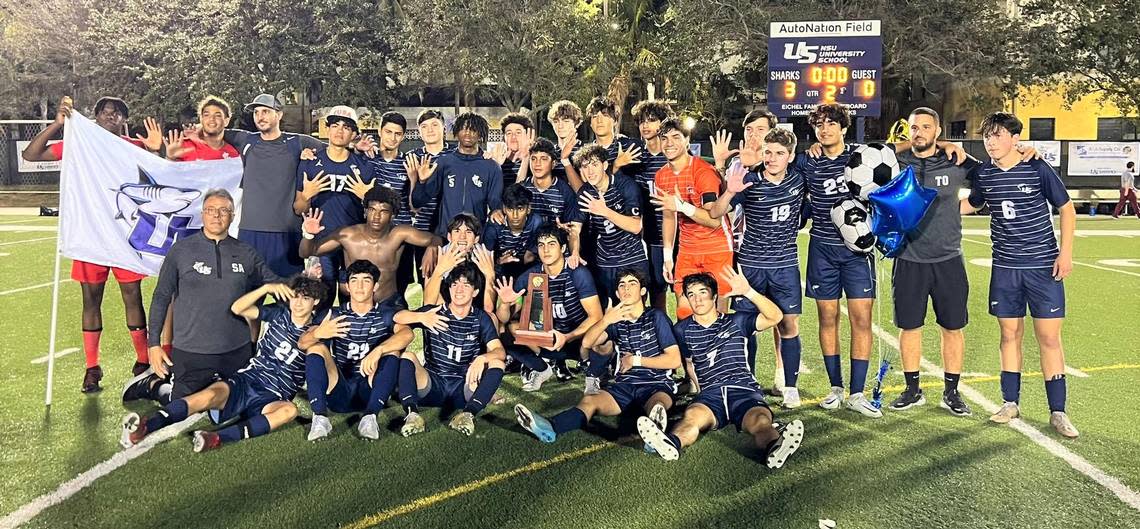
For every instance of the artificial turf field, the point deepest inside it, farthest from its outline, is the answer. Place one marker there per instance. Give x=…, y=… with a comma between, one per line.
x=919, y=468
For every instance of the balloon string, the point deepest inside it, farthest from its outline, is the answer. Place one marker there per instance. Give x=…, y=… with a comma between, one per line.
x=879, y=305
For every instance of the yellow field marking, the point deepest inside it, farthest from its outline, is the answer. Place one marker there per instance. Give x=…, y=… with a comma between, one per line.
x=428, y=501
x=383, y=516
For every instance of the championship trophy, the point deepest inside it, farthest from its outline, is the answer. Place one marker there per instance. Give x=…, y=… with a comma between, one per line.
x=536, y=324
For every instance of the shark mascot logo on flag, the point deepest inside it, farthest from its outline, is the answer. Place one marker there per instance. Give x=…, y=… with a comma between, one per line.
x=152, y=211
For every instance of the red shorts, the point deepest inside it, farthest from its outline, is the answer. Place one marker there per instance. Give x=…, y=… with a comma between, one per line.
x=713, y=263
x=85, y=272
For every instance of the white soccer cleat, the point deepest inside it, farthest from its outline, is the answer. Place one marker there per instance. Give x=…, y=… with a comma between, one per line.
x=833, y=399
x=858, y=402
x=1008, y=412
x=791, y=436
x=656, y=439
x=368, y=428
x=463, y=422
x=320, y=428
x=659, y=417
x=413, y=424
x=593, y=386
x=1061, y=423
x=534, y=382
x=791, y=398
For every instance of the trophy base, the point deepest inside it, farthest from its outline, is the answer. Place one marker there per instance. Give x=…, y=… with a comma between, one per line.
x=535, y=338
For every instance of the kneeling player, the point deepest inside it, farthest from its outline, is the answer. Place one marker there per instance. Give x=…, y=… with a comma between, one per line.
x=463, y=362
x=261, y=394
x=713, y=343
x=643, y=338
x=365, y=340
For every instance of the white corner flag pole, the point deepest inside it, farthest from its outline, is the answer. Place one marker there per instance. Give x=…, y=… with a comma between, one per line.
x=55, y=292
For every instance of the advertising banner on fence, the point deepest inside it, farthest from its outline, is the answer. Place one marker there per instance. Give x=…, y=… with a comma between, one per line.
x=1050, y=151
x=1101, y=158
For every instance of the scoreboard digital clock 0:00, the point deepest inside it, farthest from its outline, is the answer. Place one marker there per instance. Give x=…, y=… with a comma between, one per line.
x=825, y=62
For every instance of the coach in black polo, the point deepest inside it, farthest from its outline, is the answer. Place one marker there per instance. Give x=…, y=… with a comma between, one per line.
x=204, y=273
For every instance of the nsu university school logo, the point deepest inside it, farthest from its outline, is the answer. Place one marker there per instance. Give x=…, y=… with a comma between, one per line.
x=156, y=214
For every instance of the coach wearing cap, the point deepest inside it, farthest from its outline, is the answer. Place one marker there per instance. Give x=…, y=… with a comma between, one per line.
x=270, y=158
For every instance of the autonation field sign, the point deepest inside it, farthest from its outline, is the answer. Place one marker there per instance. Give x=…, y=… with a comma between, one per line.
x=825, y=62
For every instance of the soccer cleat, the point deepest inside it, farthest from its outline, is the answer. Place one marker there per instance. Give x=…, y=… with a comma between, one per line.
x=134, y=430
x=91, y=379
x=534, y=383
x=791, y=398
x=952, y=400
x=659, y=417
x=535, y=424
x=656, y=439
x=463, y=422
x=204, y=441
x=368, y=428
x=561, y=372
x=1008, y=412
x=791, y=436
x=1061, y=423
x=413, y=424
x=138, y=387
x=858, y=402
x=139, y=367
x=320, y=428
x=833, y=399
x=908, y=399
x=593, y=385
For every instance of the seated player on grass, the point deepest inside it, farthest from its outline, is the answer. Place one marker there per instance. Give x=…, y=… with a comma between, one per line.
x=643, y=338
x=362, y=338
x=463, y=363
x=713, y=343
x=261, y=394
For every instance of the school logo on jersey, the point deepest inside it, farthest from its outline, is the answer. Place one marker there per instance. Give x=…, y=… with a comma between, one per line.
x=1025, y=188
x=152, y=211
x=201, y=268
x=476, y=180
x=237, y=268
x=451, y=180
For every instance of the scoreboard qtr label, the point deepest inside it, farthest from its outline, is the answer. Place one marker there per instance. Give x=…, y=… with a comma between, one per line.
x=825, y=62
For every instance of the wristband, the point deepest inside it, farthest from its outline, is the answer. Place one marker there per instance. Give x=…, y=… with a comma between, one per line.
x=566, y=161
x=685, y=207
x=308, y=235
x=636, y=360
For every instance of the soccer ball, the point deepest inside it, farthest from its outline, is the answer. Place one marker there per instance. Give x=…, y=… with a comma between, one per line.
x=870, y=166
x=853, y=220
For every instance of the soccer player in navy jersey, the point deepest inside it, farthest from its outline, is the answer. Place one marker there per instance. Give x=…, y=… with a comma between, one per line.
x=463, y=181
x=430, y=125
x=513, y=243
x=1028, y=265
x=463, y=233
x=565, y=117
x=621, y=150
x=771, y=195
x=518, y=132
x=648, y=115
x=463, y=363
x=642, y=338
x=260, y=395
x=552, y=197
x=333, y=370
x=713, y=346
x=574, y=303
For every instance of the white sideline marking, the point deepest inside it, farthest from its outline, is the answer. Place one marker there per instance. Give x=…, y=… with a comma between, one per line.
x=33, y=287
x=977, y=241
x=1080, y=464
x=29, y=228
x=988, y=263
x=10, y=243
x=1070, y=370
x=21, y=221
x=63, y=492
x=1120, y=262
x=1098, y=267
x=967, y=374
x=1077, y=232
x=68, y=351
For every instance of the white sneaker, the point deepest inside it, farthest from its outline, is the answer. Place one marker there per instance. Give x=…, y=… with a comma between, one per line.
x=413, y=424
x=368, y=428
x=833, y=399
x=593, y=385
x=791, y=398
x=320, y=428
x=859, y=403
x=537, y=378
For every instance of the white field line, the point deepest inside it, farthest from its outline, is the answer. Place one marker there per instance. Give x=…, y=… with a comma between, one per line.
x=29, y=228
x=68, y=351
x=1080, y=464
x=10, y=243
x=63, y=492
x=21, y=221
x=33, y=287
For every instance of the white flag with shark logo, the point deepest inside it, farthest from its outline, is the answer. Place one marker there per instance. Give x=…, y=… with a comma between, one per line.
x=123, y=206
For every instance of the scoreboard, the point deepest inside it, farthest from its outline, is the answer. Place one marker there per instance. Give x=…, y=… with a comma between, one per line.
x=825, y=62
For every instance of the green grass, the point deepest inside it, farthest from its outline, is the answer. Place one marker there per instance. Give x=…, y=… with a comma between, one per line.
x=921, y=468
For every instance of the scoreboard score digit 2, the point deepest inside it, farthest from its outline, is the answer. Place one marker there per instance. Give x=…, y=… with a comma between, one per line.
x=825, y=62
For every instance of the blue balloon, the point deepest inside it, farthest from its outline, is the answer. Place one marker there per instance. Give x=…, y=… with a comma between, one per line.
x=897, y=209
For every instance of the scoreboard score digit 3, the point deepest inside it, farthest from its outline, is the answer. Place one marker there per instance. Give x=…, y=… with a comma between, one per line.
x=825, y=62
